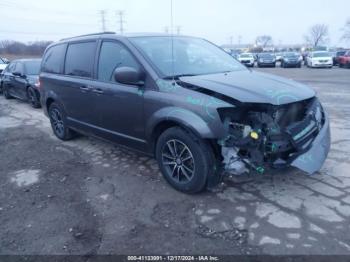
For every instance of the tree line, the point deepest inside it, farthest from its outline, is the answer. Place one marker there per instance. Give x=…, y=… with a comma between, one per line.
x=317, y=35
x=36, y=48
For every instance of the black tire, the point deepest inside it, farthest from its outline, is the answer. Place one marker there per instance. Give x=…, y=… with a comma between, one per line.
x=59, y=123
x=1, y=88
x=6, y=93
x=185, y=160
x=33, y=98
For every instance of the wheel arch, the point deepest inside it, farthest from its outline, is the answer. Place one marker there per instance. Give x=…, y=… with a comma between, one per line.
x=172, y=117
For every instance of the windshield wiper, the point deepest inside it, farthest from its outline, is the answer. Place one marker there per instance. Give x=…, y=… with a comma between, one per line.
x=177, y=76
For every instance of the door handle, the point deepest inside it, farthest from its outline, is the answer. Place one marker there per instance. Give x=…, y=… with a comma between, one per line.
x=85, y=88
x=98, y=91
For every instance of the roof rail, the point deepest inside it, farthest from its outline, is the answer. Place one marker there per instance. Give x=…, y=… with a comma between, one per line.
x=101, y=33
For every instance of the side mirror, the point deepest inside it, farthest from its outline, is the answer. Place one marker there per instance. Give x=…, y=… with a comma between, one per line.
x=129, y=76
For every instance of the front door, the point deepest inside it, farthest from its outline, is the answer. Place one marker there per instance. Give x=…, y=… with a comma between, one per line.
x=120, y=107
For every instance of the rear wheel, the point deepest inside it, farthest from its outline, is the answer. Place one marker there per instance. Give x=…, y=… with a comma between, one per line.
x=185, y=160
x=32, y=97
x=340, y=65
x=59, y=123
x=6, y=93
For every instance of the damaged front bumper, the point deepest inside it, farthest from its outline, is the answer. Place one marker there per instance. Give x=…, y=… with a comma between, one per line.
x=312, y=160
x=298, y=137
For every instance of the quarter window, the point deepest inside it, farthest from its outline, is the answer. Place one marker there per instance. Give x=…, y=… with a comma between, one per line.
x=112, y=56
x=52, y=62
x=11, y=67
x=80, y=59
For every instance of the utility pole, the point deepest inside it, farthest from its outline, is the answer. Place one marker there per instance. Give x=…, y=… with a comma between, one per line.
x=103, y=20
x=121, y=21
x=231, y=41
x=178, y=29
x=239, y=40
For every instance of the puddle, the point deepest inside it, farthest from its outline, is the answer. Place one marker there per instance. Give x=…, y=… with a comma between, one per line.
x=25, y=177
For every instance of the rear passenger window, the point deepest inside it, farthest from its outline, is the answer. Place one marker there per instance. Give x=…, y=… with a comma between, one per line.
x=112, y=56
x=52, y=62
x=80, y=59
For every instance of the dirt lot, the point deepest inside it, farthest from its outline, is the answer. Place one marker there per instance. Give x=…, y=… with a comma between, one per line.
x=90, y=197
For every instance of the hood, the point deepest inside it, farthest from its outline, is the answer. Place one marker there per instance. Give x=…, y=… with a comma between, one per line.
x=252, y=87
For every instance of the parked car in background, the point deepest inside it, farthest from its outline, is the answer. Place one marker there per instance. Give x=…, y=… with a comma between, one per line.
x=344, y=60
x=199, y=115
x=337, y=55
x=246, y=59
x=291, y=59
x=266, y=59
x=3, y=64
x=319, y=59
x=21, y=80
x=279, y=56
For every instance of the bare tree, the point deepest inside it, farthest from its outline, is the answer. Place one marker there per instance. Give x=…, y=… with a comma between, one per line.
x=18, y=48
x=317, y=35
x=346, y=29
x=263, y=40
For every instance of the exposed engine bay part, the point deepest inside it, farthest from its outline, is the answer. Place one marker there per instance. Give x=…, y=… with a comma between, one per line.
x=274, y=136
x=232, y=162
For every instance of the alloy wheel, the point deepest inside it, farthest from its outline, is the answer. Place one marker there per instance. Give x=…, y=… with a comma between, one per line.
x=31, y=97
x=57, y=122
x=178, y=161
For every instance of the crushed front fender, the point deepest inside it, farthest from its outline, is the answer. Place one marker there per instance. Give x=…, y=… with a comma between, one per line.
x=312, y=160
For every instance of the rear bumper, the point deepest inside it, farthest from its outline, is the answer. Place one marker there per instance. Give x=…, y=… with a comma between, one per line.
x=312, y=160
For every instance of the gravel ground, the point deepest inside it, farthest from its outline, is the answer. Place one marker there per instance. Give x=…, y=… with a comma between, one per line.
x=90, y=197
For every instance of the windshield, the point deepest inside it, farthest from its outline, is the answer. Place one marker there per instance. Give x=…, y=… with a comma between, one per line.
x=2, y=61
x=32, y=67
x=323, y=54
x=291, y=54
x=192, y=56
x=266, y=55
x=246, y=55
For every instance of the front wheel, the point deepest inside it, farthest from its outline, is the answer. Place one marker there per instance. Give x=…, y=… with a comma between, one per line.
x=6, y=93
x=58, y=122
x=185, y=160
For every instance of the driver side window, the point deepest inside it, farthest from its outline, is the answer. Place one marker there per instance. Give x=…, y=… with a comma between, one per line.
x=112, y=56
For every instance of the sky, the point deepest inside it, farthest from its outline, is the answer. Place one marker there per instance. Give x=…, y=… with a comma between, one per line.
x=220, y=21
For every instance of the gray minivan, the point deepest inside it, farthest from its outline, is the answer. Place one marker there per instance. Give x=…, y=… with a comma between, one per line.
x=185, y=101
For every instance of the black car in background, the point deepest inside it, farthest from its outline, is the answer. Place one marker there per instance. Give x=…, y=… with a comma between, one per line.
x=266, y=59
x=291, y=59
x=337, y=55
x=21, y=80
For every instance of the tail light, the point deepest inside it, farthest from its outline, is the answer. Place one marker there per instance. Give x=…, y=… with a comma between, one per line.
x=38, y=84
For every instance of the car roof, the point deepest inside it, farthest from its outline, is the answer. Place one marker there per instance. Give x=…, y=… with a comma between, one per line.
x=117, y=36
x=26, y=60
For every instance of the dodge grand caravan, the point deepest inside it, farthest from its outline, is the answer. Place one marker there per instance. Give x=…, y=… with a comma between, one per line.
x=185, y=101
